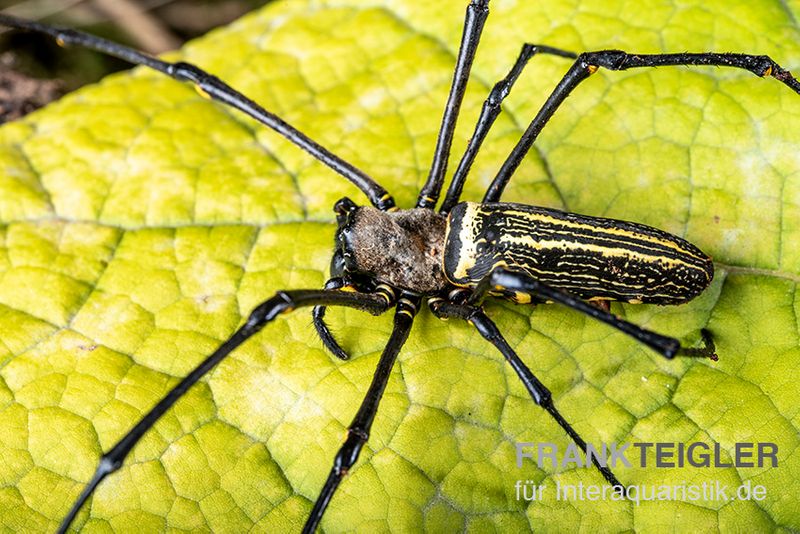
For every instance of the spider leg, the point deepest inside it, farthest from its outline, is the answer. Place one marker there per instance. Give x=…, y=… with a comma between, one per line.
x=266, y=312
x=708, y=350
x=489, y=113
x=588, y=63
x=216, y=89
x=324, y=333
x=538, y=391
x=477, y=11
x=318, y=314
x=504, y=279
x=358, y=431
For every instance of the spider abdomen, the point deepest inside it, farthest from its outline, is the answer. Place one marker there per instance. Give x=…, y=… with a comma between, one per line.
x=592, y=257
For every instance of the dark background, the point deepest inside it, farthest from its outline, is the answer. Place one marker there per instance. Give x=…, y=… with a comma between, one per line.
x=34, y=70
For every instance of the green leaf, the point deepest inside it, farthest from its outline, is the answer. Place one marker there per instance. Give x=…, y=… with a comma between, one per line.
x=139, y=223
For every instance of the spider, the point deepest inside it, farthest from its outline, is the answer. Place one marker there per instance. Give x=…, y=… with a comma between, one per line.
x=376, y=289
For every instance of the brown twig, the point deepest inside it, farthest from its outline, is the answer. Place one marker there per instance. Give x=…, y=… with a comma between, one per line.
x=148, y=32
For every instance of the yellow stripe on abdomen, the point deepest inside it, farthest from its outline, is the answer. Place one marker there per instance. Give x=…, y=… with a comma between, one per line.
x=593, y=257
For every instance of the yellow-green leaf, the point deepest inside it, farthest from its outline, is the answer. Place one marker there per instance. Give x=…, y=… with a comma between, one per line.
x=140, y=222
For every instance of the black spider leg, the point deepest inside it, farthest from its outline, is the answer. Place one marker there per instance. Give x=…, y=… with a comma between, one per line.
x=588, y=63
x=318, y=314
x=216, y=89
x=538, y=391
x=318, y=318
x=477, y=11
x=503, y=279
x=489, y=113
x=709, y=350
x=267, y=311
x=358, y=431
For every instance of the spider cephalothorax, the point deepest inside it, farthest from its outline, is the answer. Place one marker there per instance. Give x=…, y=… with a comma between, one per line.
x=402, y=248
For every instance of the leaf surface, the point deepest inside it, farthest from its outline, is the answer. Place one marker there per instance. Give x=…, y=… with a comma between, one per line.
x=139, y=223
